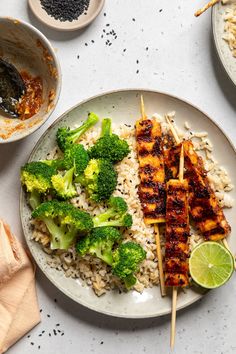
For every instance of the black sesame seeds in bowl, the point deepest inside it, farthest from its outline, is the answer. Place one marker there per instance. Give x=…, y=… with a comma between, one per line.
x=66, y=15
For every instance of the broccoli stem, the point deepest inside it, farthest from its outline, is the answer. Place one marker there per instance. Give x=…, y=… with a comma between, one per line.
x=106, y=127
x=115, y=223
x=102, y=218
x=34, y=199
x=105, y=256
x=59, y=238
x=91, y=121
x=130, y=281
x=68, y=178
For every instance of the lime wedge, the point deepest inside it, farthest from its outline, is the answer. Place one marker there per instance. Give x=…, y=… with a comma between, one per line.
x=211, y=265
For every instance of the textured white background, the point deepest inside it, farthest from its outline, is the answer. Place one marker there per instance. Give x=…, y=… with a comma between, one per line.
x=180, y=60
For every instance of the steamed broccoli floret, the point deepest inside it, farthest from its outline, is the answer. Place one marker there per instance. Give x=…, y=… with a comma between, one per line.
x=66, y=136
x=126, y=260
x=99, y=179
x=109, y=146
x=63, y=184
x=76, y=156
x=116, y=214
x=99, y=243
x=63, y=222
x=36, y=177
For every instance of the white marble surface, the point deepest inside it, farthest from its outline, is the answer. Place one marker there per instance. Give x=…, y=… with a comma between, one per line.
x=180, y=60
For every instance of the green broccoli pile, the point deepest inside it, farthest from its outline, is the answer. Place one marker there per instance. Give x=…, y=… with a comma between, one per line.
x=51, y=184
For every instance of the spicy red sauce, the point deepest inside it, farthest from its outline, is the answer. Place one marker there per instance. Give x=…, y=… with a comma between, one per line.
x=32, y=99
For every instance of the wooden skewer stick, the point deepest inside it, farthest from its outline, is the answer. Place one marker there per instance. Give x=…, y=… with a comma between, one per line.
x=177, y=140
x=156, y=228
x=206, y=7
x=175, y=289
x=142, y=108
x=173, y=131
x=173, y=317
x=160, y=263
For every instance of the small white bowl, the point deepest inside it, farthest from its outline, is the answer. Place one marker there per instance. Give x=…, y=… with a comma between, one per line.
x=29, y=50
x=83, y=20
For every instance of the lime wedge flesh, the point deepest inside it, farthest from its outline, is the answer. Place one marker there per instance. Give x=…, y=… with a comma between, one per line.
x=211, y=265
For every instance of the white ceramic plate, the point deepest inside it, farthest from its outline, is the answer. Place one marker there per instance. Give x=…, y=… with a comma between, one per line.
x=123, y=106
x=225, y=54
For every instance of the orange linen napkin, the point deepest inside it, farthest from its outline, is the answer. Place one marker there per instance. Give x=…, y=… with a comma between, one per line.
x=19, y=310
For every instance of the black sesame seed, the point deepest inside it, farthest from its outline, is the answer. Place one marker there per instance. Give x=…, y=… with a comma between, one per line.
x=102, y=342
x=28, y=336
x=49, y=334
x=160, y=10
x=108, y=24
x=62, y=334
x=58, y=324
x=55, y=300
x=32, y=343
x=104, y=14
x=133, y=19
x=48, y=315
x=39, y=347
x=40, y=310
x=64, y=10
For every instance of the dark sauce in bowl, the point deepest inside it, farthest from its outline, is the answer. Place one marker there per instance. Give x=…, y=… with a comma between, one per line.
x=31, y=101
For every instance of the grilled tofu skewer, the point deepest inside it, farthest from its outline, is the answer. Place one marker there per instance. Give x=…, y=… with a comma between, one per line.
x=152, y=176
x=204, y=208
x=177, y=238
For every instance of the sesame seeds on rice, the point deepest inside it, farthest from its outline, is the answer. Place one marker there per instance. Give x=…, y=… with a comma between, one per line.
x=92, y=271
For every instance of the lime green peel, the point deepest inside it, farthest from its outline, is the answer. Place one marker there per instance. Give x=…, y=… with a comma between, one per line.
x=211, y=265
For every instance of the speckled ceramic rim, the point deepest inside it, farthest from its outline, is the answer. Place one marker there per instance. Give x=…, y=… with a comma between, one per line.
x=199, y=296
x=59, y=79
x=217, y=45
x=74, y=28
